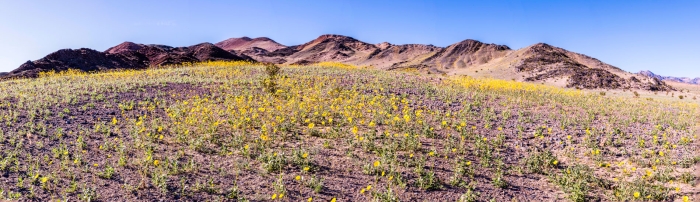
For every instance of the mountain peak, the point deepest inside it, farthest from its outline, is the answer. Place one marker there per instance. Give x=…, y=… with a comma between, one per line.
x=244, y=43
x=474, y=45
x=383, y=45
x=124, y=46
x=335, y=37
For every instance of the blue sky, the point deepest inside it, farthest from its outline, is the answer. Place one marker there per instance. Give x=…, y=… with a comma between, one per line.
x=662, y=36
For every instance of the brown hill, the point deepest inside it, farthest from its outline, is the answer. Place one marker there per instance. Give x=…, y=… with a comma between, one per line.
x=390, y=56
x=350, y=50
x=123, y=47
x=126, y=55
x=166, y=55
x=545, y=63
x=465, y=54
x=83, y=59
x=326, y=48
x=537, y=63
x=250, y=49
x=245, y=43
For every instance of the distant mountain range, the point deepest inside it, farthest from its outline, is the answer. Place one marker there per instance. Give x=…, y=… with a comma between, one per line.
x=648, y=73
x=541, y=63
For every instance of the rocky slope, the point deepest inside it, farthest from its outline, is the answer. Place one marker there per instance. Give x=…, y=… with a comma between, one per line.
x=83, y=59
x=687, y=80
x=126, y=55
x=540, y=63
x=543, y=62
x=537, y=63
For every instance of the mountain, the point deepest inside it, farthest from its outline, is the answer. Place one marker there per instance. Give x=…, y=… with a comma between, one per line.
x=545, y=63
x=540, y=63
x=83, y=59
x=245, y=43
x=687, y=80
x=127, y=55
x=465, y=54
x=250, y=48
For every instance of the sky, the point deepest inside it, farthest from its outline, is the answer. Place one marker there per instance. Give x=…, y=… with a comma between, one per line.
x=661, y=36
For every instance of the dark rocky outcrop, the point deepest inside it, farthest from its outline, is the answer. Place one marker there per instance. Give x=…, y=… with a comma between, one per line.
x=126, y=55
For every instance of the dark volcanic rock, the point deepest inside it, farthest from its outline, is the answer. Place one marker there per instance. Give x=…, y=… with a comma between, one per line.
x=126, y=55
x=83, y=59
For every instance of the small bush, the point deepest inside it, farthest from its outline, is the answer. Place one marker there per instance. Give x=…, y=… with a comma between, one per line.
x=539, y=162
x=270, y=83
x=576, y=181
x=629, y=191
x=428, y=181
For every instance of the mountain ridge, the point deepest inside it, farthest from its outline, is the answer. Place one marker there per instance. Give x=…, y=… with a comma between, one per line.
x=541, y=62
x=687, y=80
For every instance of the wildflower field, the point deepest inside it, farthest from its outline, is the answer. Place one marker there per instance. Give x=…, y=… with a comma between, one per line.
x=239, y=131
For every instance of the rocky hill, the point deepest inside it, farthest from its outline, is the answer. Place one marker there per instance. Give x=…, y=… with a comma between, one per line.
x=540, y=63
x=127, y=55
x=537, y=63
x=83, y=59
x=245, y=43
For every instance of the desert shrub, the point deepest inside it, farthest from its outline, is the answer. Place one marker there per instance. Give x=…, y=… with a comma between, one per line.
x=540, y=162
x=576, y=181
x=270, y=83
x=427, y=180
x=640, y=189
